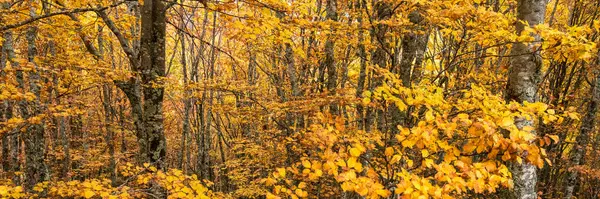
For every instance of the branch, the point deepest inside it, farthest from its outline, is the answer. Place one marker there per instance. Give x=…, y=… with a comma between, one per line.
x=86, y=41
x=124, y=43
x=64, y=12
x=202, y=40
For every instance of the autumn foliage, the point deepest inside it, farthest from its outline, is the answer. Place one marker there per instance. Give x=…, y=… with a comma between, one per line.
x=299, y=99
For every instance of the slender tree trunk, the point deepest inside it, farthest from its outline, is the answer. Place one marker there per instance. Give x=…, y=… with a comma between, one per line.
x=200, y=115
x=4, y=107
x=61, y=122
x=122, y=125
x=414, y=44
x=10, y=143
x=186, y=102
x=35, y=170
x=380, y=58
x=76, y=128
x=362, y=54
x=207, y=136
x=522, y=85
x=587, y=125
x=329, y=62
x=110, y=134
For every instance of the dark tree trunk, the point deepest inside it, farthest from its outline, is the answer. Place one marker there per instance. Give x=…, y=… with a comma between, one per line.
x=362, y=54
x=35, y=167
x=329, y=62
x=10, y=143
x=587, y=125
x=152, y=68
x=414, y=44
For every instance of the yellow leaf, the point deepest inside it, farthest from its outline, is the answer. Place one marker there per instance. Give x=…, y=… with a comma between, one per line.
x=395, y=159
x=429, y=162
x=382, y=192
x=366, y=101
x=404, y=131
x=425, y=153
x=271, y=196
x=281, y=172
x=506, y=156
x=88, y=194
x=409, y=163
x=306, y=164
x=3, y=190
x=362, y=190
x=302, y=185
x=408, y=143
x=507, y=121
x=417, y=185
x=469, y=148
x=351, y=162
x=358, y=167
x=354, y=152
x=346, y=186
x=554, y=137
x=341, y=163
x=573, y=115
x=429, y=116
x=301, y=193
x=270, y=181
x=389, y=151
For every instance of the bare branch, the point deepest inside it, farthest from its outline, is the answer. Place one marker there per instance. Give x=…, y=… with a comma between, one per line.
x=124, y=43
x=64, y=12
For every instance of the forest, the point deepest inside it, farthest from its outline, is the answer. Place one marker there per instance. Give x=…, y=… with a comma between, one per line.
x=289, y=99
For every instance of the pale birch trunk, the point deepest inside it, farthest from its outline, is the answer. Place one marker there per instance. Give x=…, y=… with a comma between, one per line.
x=525, y=66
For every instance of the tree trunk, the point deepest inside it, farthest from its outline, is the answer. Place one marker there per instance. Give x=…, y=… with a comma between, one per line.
x=329, y=61
x=414, y=44
x=362, y=54
x=587, y=125
x=522, y=85
x=110, y=134
x=35, y=170
x=152, y=68
x=10, y=143
x=187, y=105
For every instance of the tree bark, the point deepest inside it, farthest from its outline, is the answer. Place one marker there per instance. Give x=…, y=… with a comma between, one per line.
x=525, y=66
x=329, y=62
x=362, y=54
x=10, y=143
x=187, y=105
x=110, y=134
x=414, y=44
x=152, y=68
x=587, y=125
x=144, y=93
x=35, y=167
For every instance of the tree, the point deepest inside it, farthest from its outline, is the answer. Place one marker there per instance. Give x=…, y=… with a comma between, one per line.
x=144, y=92
x=522, y=86
x=587, y=125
